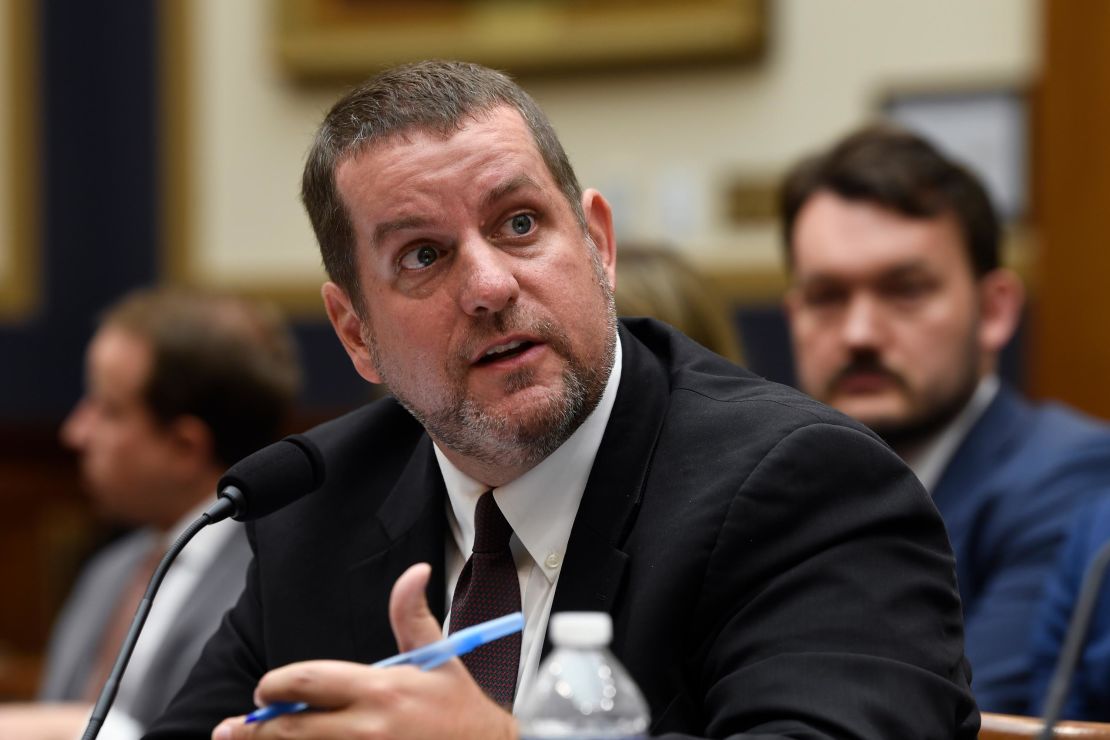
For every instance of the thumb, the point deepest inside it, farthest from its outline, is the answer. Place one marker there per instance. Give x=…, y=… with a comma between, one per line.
x=412, y=621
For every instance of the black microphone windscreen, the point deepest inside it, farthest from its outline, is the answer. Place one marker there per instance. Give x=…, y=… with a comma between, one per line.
x=274, y=476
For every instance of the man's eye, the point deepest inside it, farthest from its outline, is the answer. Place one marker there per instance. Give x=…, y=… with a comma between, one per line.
x=824, y=297
x=908, y=290
x=419, y=258
x=522, y=223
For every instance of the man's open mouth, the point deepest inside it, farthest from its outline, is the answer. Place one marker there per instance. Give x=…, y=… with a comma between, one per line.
x=504, y=351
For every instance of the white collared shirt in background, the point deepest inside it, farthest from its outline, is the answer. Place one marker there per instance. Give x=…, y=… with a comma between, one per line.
x=179, y=583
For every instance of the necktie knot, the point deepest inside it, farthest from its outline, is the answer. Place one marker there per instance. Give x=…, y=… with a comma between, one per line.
x=491, y=529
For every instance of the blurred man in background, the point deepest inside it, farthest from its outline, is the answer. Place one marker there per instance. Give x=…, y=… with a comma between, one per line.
x=179, y=386
x=899, y=308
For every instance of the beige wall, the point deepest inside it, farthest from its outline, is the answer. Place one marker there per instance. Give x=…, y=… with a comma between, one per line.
x=661, y=145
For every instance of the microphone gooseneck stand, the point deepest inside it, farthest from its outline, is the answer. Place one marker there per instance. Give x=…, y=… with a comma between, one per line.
x=1074, y=640
x=259, y=484
x=222, y=509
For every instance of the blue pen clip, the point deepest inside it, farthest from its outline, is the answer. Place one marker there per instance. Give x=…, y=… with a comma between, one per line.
x=426, y=658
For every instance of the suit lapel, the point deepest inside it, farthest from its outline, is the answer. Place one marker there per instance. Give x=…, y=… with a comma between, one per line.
x=594, y=568
x=988, y=439
x=410, y=525
x=408, y=528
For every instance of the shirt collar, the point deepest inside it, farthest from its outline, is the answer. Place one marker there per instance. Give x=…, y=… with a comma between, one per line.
x=540, y=505
x=929, y=460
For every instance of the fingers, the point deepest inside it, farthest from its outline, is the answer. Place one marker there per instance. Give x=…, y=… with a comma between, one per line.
x=345, y=699
x=355, y=695
x=306, y=725
x=412, y=620
x=413, y=623
x=227, y=730
x=323, y=684
x=339, y=693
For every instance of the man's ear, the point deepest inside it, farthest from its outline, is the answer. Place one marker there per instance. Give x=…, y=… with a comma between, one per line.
x=350, y=330
x=1001, y=298
x=193, y=443
x=599, y=224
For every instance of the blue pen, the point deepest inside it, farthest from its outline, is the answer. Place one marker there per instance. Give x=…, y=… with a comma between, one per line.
x=426, y=658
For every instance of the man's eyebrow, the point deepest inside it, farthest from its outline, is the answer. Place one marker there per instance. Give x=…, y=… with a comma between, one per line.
x=894, y=272
x=509, y=186
x=384, y=229
x=907, y=269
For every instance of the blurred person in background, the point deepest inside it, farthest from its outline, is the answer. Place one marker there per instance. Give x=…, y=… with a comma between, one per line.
x=179, y=386
x=1088, y=696
x=898, y=310
x=656, y=281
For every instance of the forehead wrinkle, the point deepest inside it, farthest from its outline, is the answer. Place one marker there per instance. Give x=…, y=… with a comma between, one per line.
x=511, y=185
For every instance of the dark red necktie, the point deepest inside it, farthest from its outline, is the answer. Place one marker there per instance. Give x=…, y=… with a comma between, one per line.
x=118, y=625
x=488, y=588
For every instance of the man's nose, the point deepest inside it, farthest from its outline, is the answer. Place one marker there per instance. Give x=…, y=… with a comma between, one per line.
x=487, y=282
x=74, y=429
x=863, y=322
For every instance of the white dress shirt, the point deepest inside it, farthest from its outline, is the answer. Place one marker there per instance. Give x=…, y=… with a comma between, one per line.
x=540, y=506
x=179, y=582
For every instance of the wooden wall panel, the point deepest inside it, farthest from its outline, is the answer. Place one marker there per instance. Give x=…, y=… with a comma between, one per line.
x=45, y=533
x=1071, y=353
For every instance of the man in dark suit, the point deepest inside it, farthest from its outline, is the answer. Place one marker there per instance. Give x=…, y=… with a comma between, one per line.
x=770, y=566
x=899, y=308
x=180, y=385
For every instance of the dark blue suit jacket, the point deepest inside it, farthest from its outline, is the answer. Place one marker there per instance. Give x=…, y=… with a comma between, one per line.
x=771, y=567
x=1007, y=497
x=1089, y=696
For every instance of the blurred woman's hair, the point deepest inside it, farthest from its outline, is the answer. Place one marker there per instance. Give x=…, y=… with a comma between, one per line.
x=655, y=281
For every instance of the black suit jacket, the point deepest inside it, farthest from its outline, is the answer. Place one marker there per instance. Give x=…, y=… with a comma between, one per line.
x=771, y=567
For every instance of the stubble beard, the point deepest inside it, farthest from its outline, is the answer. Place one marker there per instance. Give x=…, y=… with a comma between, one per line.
x=519, y=438
x=934, y=410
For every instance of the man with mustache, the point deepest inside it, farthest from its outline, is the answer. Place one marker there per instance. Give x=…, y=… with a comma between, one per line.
x=726, y=524
x=899, y=308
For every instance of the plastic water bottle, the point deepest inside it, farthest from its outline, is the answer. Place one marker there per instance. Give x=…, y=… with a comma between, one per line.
x=582, y=691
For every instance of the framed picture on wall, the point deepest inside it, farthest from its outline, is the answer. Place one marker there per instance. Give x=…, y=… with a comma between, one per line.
x=18, y=162
x=229, y=113
x=986, y=128
x=349, y=39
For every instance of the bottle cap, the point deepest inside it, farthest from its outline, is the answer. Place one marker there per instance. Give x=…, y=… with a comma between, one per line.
x=581, y=629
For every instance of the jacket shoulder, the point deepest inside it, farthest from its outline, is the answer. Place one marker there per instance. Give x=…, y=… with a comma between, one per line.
x=703, y=382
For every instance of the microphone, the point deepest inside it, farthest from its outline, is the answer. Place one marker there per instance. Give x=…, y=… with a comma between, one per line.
x=1075, y=639
x=265, y=481
x=257, y=485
